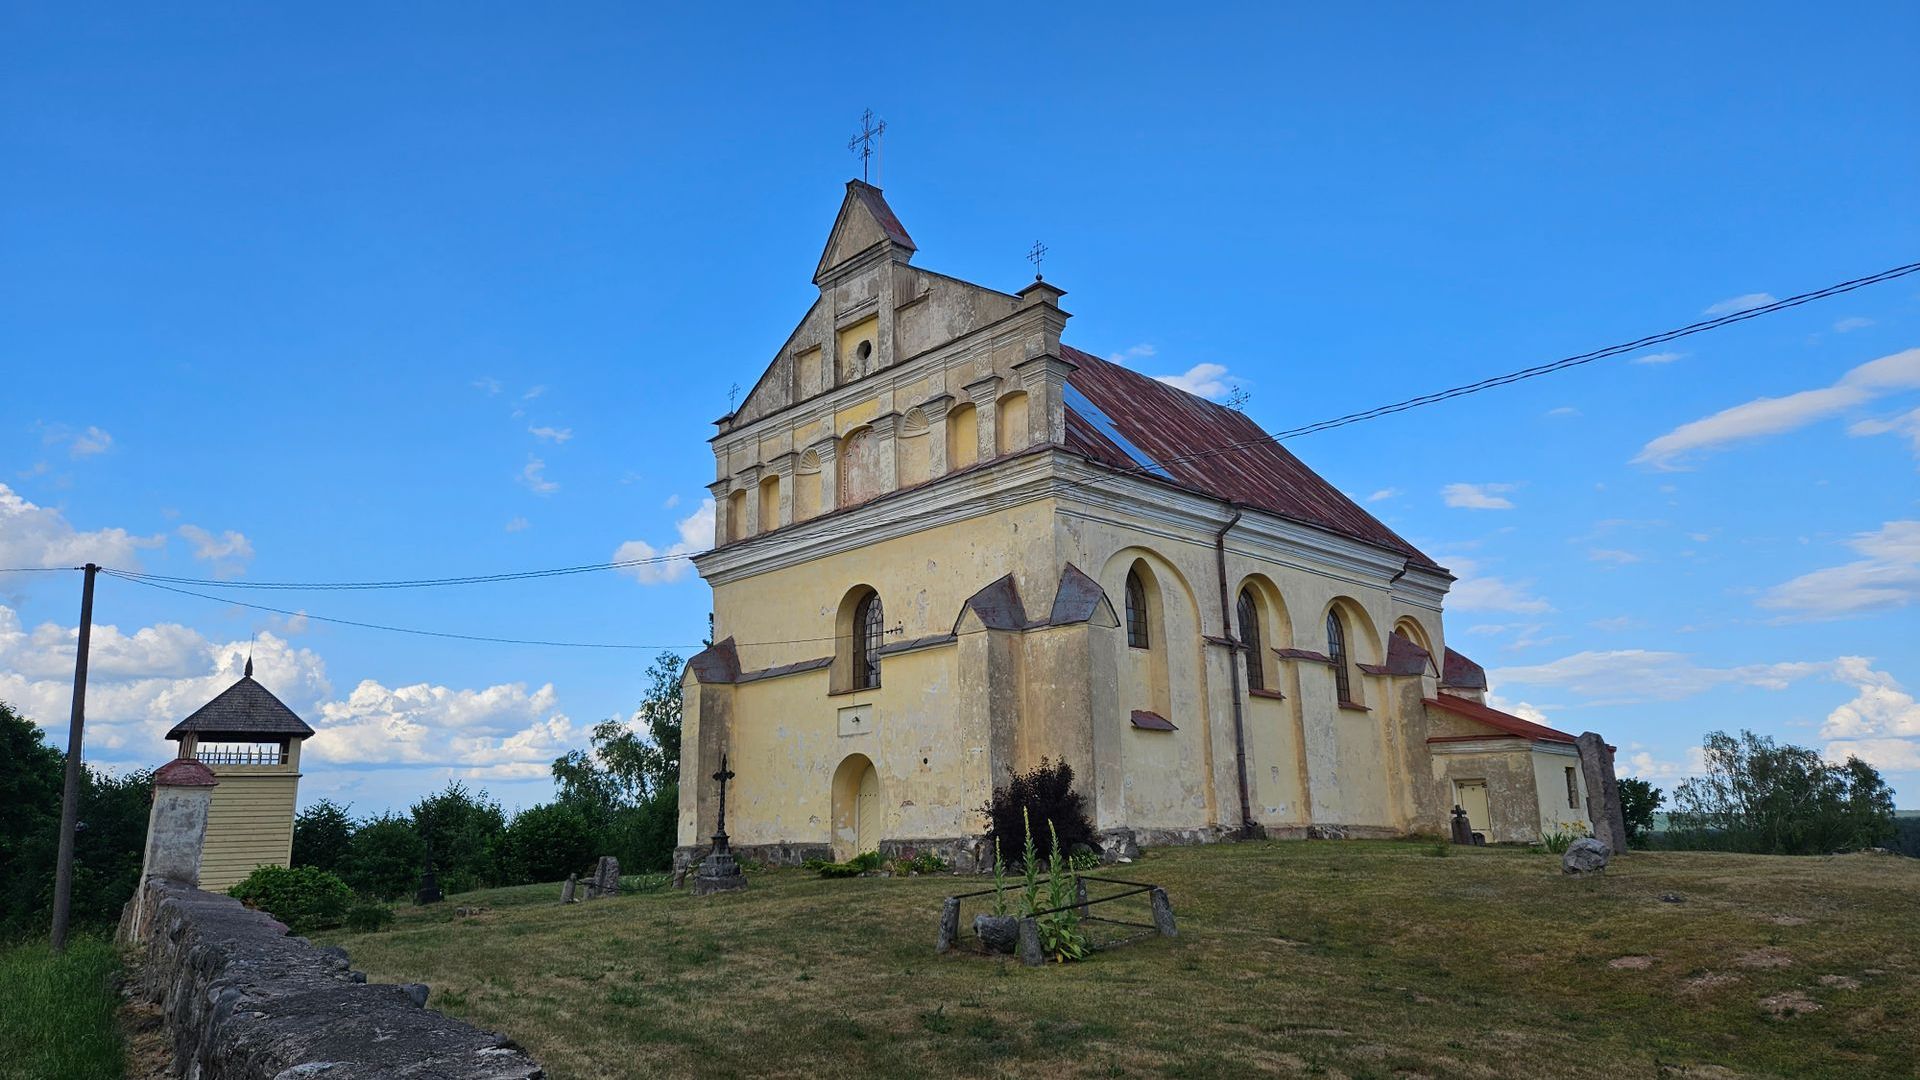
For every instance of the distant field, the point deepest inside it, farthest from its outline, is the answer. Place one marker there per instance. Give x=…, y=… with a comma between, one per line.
x=1299, y=958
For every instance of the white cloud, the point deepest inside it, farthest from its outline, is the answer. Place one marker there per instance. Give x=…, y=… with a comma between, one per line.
x=90, y=442
x=1564, y=410
x=1615, y=623
x=1847, y=326
x=33, y=535
x=142, y=683
x=517, y=524
x=1477, y=592
x=1881, y=725
x=1210, y=381
x=1624, y=676
x=551, y=434
x=1887, y=578
x=487, y=385
x=1658, y=358
x=1773, y=416
x=1734, y=304
x=1383, y=494
x=1614, y=556
x=1478, y=496
x=532, y=393
x=534, y=479
x=1645, y=766
x=228, y=552
x=1142, y=351
x=1906, y=424
x=696, y=535
x=1521, y=709
x=671, y=501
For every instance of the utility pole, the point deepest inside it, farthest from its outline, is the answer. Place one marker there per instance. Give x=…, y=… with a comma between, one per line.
x=70, y=798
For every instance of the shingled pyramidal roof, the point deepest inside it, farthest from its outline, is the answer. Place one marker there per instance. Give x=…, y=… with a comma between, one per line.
x=245, y=708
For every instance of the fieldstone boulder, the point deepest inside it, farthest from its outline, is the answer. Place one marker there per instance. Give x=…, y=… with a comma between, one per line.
x=1119, y=845
x=998, y=933
x=1585, y=856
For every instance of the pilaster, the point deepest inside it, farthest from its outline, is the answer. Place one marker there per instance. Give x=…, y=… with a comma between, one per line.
x=1044, y=378
x=782, y=466
x=935, y=409
x=828, y=451
x=985, y=395
x=886, y=427
x=748, y=480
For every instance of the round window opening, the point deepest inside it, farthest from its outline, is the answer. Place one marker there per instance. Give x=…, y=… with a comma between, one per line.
x=864, y=351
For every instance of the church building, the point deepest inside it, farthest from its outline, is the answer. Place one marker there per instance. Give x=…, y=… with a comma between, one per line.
x=948, y=545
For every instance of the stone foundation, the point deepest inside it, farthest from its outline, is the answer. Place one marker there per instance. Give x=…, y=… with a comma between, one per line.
x=243, y=1000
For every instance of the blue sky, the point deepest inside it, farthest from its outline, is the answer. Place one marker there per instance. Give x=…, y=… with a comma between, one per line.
x=367, y=293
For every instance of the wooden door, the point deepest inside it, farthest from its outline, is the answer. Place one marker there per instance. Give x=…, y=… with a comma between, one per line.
x=1473, y=799
x=866, y=813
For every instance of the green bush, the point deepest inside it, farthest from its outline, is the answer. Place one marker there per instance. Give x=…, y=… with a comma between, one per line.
x=867, y=860
x=369, y=918
x=304, y=898
x=839, y=870
x=546, y=843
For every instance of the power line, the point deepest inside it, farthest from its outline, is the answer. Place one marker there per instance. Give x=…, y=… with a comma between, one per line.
x=1116, y=472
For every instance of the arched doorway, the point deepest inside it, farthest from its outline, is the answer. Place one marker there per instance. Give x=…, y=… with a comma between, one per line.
x=858, y=814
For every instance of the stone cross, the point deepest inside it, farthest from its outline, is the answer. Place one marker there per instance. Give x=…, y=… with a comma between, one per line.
x=720, y=829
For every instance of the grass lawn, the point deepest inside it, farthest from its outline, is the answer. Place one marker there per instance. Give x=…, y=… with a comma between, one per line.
x=58, y=1014
x=1353, y=959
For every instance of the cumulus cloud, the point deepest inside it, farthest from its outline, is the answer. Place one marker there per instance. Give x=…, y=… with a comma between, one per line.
x=33, y=535
x=1625, y=676
x=1142, y=351
x=1521, y=709
x=1478, y=496
x=1658, y=358
x=1474, y=591
x=696, y=534
x=551, y=434
x=1886, y=578
x=143, y=682
x=1774, y=416
x=228, y=552
x=1848, y=325
x=517, y=524
x=1210, y=381
x=1383, y=494
x=533, y=478
x=1734, y=304
x=1880, y=725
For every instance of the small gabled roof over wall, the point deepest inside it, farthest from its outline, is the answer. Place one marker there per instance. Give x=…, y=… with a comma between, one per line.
x=1505, y=723
x=246, y=708
x=1460, y=673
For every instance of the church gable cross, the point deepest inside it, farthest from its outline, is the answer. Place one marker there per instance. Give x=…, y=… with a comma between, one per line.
x=863, y=144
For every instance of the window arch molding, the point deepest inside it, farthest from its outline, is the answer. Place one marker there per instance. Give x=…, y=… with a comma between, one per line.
x=860, y=631
x=1272, y=627
x=1357, y=644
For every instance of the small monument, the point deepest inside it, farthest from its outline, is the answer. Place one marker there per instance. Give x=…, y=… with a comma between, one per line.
x=718, y=871
x=1462, y=830
x=606, y=878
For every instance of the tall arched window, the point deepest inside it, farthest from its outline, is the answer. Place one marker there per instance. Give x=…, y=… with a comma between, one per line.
x=1136, y=611
x=1337, y=652
x=869, y=634
x=1249, y=618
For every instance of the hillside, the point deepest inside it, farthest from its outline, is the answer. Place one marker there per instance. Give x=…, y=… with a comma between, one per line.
x=1335, y=959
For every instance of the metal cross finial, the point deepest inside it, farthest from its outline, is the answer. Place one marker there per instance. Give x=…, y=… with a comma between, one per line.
x=1034, y=256
x=863, y=143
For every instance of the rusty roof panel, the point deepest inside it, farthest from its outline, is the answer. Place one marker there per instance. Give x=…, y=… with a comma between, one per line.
x=1169, y=427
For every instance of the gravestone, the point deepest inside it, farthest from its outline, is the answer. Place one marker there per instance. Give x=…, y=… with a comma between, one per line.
x=1163, y=912
x=1462, y=829
x=566, y=889
x=1603, y=791
x=719, y=872
x=1030, y=953
x=606, y=877
x=949, y=925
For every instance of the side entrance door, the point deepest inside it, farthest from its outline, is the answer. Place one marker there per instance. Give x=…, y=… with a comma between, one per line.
x=1472, y=795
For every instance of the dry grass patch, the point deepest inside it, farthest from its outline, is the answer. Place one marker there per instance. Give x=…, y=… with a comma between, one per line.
x=1295, y=958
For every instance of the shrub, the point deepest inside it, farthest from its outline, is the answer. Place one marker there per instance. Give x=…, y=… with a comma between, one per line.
x=839, y=870
x=369, y=918
x=866, y=860
x=546, y=843
x=1563, y=836
x=924, y=863
x=1045, y=794
x=303, y=897
x=385, y=858
x=1639, y=800
x=1766, y=798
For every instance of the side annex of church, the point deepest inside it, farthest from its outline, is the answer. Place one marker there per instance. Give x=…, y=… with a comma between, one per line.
x=948, y=545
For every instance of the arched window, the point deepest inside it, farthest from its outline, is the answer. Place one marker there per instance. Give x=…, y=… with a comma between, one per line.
x=868, y=635
x=1136, y=611
x=1337, y=652
x=1249, y=618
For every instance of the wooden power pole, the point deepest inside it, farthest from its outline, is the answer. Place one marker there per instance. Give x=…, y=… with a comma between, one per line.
x=70, y=798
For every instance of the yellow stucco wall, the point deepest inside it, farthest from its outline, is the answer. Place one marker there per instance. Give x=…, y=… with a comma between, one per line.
x=249, y=824
x=1550, y=781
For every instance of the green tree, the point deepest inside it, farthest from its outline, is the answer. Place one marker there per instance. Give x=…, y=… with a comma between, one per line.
x=1760, y=796
x=627, y=785
x=108, y=843
x=1638, y=801
x=546, y=843
x=460, y=829
x=386, y=858
x=322, y=836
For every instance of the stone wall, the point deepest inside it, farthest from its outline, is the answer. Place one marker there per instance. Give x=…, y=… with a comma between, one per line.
x=244, y=1000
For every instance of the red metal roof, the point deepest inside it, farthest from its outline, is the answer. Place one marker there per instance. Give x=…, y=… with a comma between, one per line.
x=1462, y=673
x=1494, y=718
x=883, y=214
x=1168, y=426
